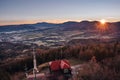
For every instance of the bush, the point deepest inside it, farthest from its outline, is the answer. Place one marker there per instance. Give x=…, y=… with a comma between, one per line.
x=4, y=75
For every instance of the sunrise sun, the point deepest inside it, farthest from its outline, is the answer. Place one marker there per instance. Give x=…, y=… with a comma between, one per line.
x=102, y=25
x=102, y=21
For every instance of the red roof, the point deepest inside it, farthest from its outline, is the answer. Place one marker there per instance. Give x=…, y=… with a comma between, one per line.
x=55, y=65
x=65, y=64
x=59, y=64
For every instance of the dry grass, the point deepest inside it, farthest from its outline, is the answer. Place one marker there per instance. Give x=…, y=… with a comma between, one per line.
x=98, y=71
x=75, y=61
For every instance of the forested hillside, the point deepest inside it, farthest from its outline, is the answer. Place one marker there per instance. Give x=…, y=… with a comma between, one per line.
x=105, y=54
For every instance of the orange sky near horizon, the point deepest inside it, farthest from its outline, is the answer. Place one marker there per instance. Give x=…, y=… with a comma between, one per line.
x=17, y=22
x=14, y=12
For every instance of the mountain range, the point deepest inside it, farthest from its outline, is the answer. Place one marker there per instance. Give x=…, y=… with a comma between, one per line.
x=50, y=34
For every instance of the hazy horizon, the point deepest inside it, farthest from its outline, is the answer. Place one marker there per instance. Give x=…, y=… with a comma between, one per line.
x=57, y=22
x=57, y=11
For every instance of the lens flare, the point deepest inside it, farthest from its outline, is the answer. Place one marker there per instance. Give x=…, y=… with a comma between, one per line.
x=102, y=25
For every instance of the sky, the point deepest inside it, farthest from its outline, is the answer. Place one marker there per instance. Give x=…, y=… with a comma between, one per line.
x=57, y=11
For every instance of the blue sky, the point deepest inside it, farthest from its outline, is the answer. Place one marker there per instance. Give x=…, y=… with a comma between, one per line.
x=31, y=11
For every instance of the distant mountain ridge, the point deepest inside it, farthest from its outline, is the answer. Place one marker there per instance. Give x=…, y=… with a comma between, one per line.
x=52, y=35
x=69, y=24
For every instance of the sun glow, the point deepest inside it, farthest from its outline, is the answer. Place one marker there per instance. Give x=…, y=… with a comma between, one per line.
x=102, y=25
x=102, y=21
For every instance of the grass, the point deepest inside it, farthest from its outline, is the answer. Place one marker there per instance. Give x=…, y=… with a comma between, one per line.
x=74, y=61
